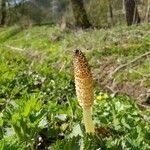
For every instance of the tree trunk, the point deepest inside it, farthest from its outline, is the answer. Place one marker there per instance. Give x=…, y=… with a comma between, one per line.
x=132, y=15
x=148, y=12
x=80, y=14
x=110, y=8
x=3, y=11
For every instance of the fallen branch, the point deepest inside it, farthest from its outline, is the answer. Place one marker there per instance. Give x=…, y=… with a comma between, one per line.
x=15, y=48
x=129, y=63
x=29, y=53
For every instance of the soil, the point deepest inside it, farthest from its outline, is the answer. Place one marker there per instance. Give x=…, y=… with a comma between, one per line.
x=135, y=90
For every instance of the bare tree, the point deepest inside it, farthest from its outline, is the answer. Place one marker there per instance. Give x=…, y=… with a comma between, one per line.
x=132, y=14
x=111, y=15
x=80, y=14
x=3, y=12
x=148, y=12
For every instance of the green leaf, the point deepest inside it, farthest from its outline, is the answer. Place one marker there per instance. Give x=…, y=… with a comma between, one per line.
x=61, y=117
x=76, y=131
x=1, y=122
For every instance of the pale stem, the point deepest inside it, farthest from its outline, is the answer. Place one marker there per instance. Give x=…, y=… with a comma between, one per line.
x=87, y=118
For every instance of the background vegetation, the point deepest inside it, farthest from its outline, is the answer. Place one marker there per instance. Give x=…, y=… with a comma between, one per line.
x=100, y=13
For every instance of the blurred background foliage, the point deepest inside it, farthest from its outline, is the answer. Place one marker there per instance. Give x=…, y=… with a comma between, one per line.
x=100, y=13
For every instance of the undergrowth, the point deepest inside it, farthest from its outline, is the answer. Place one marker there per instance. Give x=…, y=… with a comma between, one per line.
x=38, y=106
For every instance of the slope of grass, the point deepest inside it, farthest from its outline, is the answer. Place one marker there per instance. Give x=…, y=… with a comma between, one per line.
x=38, y=106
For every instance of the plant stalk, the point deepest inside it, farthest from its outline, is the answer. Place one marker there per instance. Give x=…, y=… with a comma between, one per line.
x=87, y=118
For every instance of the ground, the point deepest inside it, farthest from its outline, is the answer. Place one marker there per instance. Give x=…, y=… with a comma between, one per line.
x=106, y=49
x=38, y=104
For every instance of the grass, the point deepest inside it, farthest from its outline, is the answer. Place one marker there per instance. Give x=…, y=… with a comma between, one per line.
x=38, y=105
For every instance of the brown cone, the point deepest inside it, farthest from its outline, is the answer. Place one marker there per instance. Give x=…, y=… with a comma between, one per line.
x=83, y=80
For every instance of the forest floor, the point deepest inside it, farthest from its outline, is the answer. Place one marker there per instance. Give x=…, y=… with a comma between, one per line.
x=38, y=104
x=119, y=57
